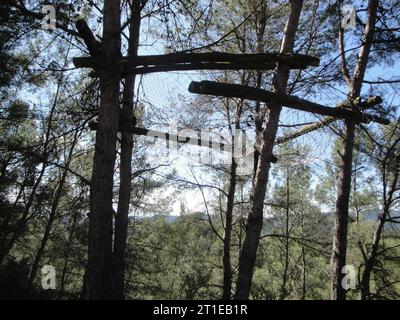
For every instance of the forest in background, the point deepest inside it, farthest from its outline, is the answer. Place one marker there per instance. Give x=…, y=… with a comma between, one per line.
x=120, y=216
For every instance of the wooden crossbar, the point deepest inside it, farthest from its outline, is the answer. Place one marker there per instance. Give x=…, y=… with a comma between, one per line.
x=251, y=93
x=200, y=61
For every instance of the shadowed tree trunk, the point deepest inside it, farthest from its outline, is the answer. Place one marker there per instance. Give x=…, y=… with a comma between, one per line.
x=285, y=275
x=101, y=190
x=255, y=219
x=261, y=17
x=339, y=245
x=121, y=219
x=227, y=285
x=303, y=259
x=84, y=290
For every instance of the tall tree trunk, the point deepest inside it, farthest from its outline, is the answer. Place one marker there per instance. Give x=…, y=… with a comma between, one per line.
x=101, y=190
x=286, y=239
x=255, y=220
x=339, y=245
x=85, y=284
x=121, y=219
x=259, y=115
x=227, y=285
x=303, y=258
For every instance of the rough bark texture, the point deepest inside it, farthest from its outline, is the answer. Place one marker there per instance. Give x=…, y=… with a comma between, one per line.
x=339, y=245
x=101, y=213
x=121, y=219
x=255, y=220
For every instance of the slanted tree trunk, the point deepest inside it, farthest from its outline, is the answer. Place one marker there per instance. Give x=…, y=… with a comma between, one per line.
x=22, y=221
x=52, y=215
x=339, y=245
x=121, y=219
x=101, y=190
x=370, y=260
x=21, y=225
x=255, y=219
x=388, y=201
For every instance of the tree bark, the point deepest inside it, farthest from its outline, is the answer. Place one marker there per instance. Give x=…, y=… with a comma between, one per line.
x=339, y=245
x=84, y=290
x=122, y=219
x=227, y=285
x=101, y=190
x=285, y=276
x=255, y=219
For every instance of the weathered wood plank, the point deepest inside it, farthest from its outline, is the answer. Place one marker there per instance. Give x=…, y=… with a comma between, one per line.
x=250, y=93
x=370, y=102
x=202, y=61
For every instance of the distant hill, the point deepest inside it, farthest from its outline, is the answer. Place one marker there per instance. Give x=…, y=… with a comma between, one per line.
x=367, y=215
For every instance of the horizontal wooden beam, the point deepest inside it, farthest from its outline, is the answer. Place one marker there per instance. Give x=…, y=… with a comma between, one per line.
x=370, y=102
x=182, y=139
x=201, y=61
x=251, y=93
x=222, y=57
